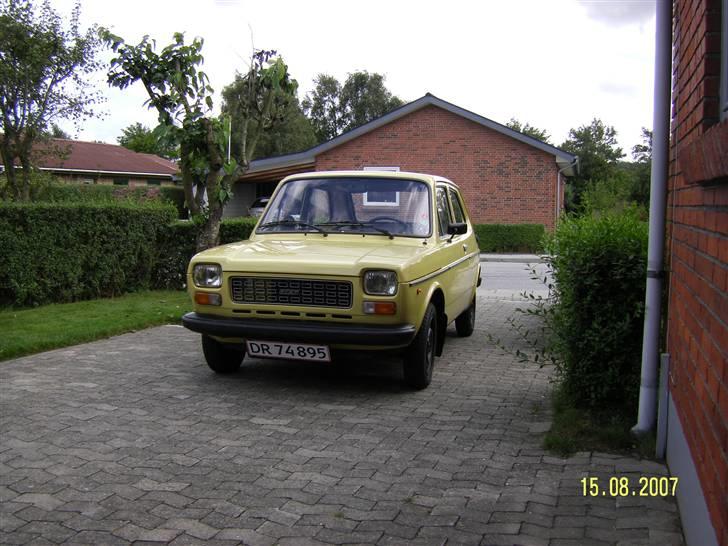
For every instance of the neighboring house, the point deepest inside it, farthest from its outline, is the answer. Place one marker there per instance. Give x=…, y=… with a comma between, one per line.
x=98, y=163
x=506, y=176
x=697, y=314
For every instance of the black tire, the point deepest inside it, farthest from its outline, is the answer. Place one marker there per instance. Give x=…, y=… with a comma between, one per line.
x=419, y=358
x=465, y=323
x=220, y=358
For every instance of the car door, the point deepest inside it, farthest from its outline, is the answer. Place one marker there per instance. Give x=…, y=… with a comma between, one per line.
x=451, y=254
x=466, y=271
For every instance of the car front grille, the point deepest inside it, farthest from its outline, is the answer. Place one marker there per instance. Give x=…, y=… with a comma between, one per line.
x=281, y=291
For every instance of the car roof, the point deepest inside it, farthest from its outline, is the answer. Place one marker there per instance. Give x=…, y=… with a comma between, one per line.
x=401, y=175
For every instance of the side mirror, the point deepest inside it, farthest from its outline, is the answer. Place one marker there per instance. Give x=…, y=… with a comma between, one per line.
x=457, y=228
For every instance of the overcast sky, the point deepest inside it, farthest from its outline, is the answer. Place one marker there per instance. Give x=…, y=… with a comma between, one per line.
x=555, y=64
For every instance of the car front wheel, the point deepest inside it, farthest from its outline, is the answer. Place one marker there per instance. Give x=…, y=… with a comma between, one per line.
x=465, y=323
x=221, y=358
x=419, y=360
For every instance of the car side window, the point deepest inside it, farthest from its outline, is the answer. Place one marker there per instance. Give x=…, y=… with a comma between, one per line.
x=443, y=212
x=457, y=206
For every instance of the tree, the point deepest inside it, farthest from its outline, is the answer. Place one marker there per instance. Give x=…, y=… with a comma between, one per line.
x=334, y=109
x=642, y=153
x=596, y=146
x=364, y=98
x=182, y=96
x=139, y=138
x=57, y=132
x=289, y=131
x=530, y=130
x=322, y=107
x=43, y=69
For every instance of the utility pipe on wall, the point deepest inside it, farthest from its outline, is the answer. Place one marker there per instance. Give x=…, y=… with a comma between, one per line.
x=658, y=200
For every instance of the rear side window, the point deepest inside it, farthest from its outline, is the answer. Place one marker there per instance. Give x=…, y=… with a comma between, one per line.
x=443, y=211
x=457, y=206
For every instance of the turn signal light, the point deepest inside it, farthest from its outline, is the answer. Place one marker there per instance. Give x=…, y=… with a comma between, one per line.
x=380, y=307
x=205, y=298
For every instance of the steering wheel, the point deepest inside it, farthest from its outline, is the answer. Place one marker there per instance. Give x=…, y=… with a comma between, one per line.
x=387, y=219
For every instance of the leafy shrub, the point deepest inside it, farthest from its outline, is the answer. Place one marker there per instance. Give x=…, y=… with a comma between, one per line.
x=177, y=245
x=598, y=265
x=509, y=237
x=60, y=252
x=176, y=196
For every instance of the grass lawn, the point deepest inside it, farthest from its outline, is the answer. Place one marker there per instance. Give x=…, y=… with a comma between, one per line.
x=27, y=331
x=575, y=429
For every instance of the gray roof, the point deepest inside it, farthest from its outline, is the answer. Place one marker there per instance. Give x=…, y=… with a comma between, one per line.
x=565, y=160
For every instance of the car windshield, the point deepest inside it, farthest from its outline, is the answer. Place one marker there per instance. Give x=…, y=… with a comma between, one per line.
x=380, y=206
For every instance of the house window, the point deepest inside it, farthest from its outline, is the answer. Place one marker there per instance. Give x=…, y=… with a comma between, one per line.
x=381, y=199
x=154, y=182
x=121, y=181
x=724, y=65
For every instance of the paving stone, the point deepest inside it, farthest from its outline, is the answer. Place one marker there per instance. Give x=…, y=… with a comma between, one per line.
x=134, y=439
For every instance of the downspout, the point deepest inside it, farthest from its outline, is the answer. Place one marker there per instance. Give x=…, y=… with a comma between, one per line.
x=658, y=200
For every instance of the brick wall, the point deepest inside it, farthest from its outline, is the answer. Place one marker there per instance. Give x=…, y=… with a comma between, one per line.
x=697, y=328
x=502, y=179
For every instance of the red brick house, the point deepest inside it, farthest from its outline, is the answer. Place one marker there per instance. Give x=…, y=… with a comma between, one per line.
x=507, y=177
x=99, y=163
x=697, y=252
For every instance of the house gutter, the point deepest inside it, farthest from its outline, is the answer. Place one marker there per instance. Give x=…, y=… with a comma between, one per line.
x=658, y=200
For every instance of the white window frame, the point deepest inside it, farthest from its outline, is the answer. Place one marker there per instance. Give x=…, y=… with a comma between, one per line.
x=368, y=203
x=724, y=64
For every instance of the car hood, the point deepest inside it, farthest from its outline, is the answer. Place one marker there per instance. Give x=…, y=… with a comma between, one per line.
x=336, y=255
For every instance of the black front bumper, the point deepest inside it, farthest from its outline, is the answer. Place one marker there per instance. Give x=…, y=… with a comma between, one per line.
x=328, y=333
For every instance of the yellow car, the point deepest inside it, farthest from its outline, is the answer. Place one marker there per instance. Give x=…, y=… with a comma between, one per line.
x=351, y=260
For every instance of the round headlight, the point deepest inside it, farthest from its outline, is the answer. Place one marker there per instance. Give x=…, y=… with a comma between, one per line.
x=380, y=283
x=207, y=275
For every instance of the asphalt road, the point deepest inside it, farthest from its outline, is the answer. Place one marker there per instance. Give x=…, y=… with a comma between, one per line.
x=514, y=277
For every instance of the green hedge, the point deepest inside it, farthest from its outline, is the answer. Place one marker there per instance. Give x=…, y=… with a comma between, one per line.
x=510, y=237
x=63, y=192
x=177, y=246
x=59, y=252
x=598, y=266
x=176, y=196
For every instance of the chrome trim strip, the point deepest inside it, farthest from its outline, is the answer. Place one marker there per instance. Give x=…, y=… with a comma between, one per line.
x=443, y=269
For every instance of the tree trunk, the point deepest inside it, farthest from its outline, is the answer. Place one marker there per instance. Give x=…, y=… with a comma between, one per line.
x=209, y=234
x=11, y=176
x=25, y=174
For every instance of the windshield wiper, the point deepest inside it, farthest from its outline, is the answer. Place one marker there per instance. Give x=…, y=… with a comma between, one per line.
x=293, y=223
x=359, y=224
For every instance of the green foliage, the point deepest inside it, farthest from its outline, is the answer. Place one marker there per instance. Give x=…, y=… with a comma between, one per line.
x=596, y=146
x=598, y=265
x=180, y=93
x=509, y=237
x=334, y=109
x=44, y=70
x=176, y=196
x=288, y=130
x=139, y=138
x=530, y=130
x=177, y=245
x=59, y=252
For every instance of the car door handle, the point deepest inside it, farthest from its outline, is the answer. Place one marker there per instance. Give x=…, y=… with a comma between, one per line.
x=465, y=247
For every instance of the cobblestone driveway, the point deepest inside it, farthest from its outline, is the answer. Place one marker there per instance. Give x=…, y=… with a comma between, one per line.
x=134, y=439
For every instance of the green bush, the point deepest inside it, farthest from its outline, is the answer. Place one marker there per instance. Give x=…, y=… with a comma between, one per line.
x=176, y=196
x=61, y=252
x=598, y=265
x=177, y=245
x=510, y=237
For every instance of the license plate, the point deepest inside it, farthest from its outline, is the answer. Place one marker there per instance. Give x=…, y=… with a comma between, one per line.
x=288, y=351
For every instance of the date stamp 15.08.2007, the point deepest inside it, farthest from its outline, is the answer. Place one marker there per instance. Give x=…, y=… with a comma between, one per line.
x=623, y=486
